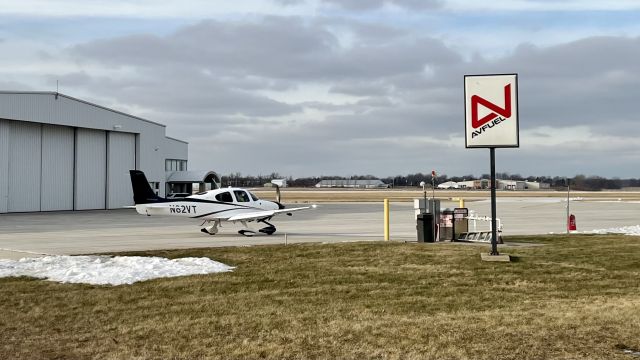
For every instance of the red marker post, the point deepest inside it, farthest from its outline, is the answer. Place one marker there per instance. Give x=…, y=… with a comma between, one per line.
x=571, y=223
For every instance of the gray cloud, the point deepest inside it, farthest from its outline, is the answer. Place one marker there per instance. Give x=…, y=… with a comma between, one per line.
x=361, y=88
x=215, y=80
x=277, y=48
x=363, y=5
x=180, y=91
x=15, y=85
x=590, y=81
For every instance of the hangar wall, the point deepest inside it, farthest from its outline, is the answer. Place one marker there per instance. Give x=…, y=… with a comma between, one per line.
x=62, y=153
x=4, y=165
x=121, y=150
x=58, y=152
x=25, y=165
x=91, y=169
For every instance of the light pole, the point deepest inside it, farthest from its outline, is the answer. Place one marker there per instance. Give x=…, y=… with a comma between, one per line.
x=424, y=192
x=433, y=184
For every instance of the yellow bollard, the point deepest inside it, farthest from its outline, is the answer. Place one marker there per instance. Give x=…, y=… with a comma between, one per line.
x=461, y=203
x=386, y=219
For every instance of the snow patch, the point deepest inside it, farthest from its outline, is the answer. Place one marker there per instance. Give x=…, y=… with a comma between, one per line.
x=108, y=270
x=625, y=230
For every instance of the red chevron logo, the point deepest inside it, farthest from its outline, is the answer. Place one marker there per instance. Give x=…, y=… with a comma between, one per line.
x=497, y=110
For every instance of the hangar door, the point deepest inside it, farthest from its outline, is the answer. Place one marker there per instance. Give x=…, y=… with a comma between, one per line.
x=91, y=169
x=121, y=158
x=57, y=168
x=24, y=166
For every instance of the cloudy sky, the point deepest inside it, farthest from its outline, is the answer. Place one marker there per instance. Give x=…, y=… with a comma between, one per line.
x=343, y=87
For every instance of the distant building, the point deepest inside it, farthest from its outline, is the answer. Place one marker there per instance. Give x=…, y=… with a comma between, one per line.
x=448, y=185
x=500, y=185
x=534, y=185
x=510, y=185
x=474, y=184
x=521, y=185
x=362, y=184
x=282, y=183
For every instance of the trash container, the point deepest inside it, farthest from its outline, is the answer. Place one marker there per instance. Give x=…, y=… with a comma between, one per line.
x=446, y=229
x=460, y=222
x=425, y=222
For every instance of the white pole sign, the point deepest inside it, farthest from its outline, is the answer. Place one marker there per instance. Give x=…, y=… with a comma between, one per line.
x=491, y=111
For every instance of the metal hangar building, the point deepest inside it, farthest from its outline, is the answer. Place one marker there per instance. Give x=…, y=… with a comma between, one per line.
x=61, y=153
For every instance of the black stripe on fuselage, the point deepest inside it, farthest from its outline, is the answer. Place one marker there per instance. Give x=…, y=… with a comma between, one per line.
x=165, y=201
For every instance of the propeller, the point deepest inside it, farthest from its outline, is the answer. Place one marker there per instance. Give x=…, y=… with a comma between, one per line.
x=277, y=184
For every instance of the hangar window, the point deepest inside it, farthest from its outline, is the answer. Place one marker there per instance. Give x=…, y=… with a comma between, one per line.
x=175, y=165
x=224, y=197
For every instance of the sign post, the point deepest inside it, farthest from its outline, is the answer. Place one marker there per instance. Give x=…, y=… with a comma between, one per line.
x=491, y=121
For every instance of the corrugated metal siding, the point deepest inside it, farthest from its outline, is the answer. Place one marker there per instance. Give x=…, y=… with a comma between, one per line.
x=122, y=156
x=151, y=145
x=24, y=166
x=57, y=168
x=91, y=169
x=4, y=165
x=35, y=107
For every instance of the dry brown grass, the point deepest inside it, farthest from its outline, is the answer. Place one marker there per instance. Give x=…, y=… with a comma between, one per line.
x=577, y=297
x=300, y=195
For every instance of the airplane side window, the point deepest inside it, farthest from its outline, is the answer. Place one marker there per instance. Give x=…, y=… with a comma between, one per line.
x=224, y=197
x=255, y=198
x=241, y=196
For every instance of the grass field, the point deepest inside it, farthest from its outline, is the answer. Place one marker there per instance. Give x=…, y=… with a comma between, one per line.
x=576, y=297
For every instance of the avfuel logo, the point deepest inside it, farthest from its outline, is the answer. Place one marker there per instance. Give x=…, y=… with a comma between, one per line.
x=489, y=121
x=491, y=111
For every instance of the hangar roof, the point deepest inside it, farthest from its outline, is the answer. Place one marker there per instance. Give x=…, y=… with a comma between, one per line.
x=57, y=94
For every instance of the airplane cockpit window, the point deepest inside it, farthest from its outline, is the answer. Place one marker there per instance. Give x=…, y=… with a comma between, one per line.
x=255, y=198
x=241, y=196
x=224, y=197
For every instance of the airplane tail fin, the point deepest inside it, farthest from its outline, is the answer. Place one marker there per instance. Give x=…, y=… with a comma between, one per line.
x=142, y=192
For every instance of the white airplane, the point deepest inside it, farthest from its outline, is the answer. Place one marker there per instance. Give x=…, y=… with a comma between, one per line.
x=212, y=207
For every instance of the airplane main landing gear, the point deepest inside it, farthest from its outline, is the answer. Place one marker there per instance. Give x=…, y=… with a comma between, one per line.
x=247, y=233
x=211, y=230
x=269, y=229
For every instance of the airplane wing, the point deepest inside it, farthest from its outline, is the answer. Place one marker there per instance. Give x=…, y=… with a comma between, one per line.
x=264, y=214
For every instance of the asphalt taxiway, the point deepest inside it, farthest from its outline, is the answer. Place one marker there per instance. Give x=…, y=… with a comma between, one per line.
x=83, y=232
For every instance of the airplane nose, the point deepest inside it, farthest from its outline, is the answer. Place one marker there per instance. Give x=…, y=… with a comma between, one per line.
x=280, y=206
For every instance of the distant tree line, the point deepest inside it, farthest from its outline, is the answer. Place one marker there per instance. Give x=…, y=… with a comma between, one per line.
x=578, y=182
